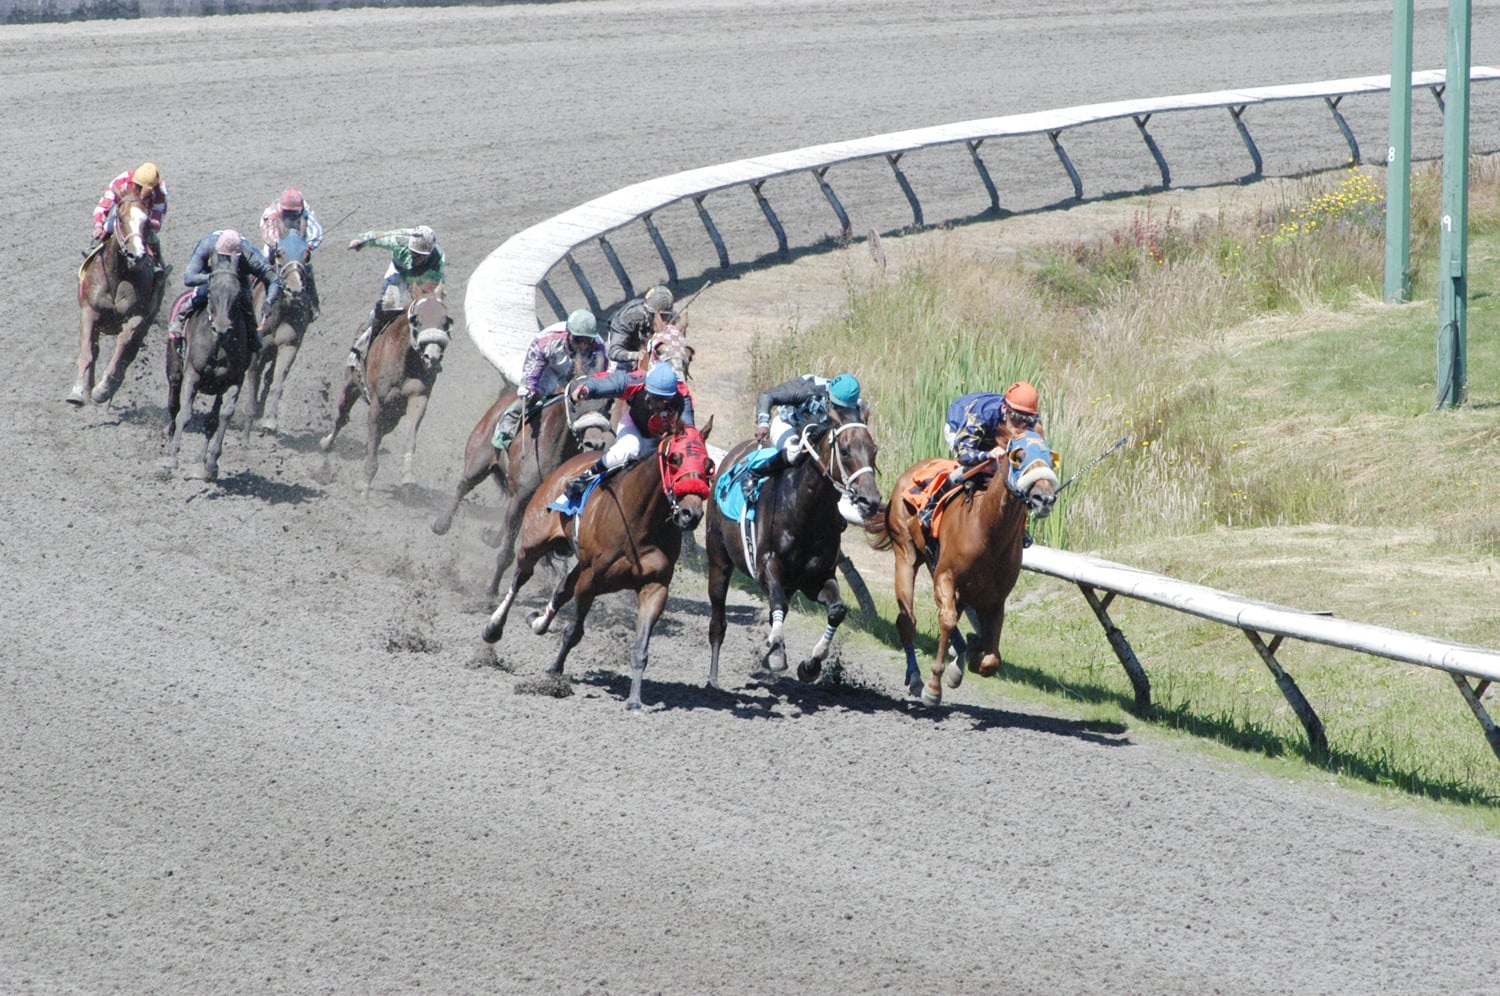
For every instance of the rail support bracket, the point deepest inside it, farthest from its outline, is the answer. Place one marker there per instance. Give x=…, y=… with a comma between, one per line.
x=846, y=230
x=615, y=264
x=661, y=248
x=1155, y=150
x=1237, y=112
x=1473, y=696
x=1121, y=647
x=1062, y=156
x=583, y=283
x=894, y=158
x=782, y=249
x=984, y=174
x=1333, y=107
x=1316, y=739
x=713, y=232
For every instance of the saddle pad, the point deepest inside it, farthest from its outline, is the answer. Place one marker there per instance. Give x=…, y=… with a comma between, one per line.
x=728, y=491
x=561, y=504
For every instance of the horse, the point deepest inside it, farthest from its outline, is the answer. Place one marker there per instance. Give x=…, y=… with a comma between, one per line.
x=119, y=292
x=400, y=368
x=553, y=429
x=789, y=539
x=210, y=358
x=974, y=560
x=286, y=324
x=668, y=343
x=627, y=537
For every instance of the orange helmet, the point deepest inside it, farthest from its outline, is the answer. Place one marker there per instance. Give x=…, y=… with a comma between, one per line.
x=1022, y=397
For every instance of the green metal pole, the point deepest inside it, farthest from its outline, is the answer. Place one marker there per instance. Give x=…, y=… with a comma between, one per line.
x=1453, y=241
x=1398, y=161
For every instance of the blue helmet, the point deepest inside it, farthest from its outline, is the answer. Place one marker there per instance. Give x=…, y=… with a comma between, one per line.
x=843, y=391
x=661, y=380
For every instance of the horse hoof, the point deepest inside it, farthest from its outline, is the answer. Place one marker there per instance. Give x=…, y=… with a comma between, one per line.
x=201, y=474
x=809, y=670
x=953, y=674
x=931, y=696
x=914, y=688
x=268, y=425
x=776, y=663
x=103, y=392
x=326, y=443
x=440, y=526
x=987, y=669
x=634, y=705
x=77, y=398
x=491, y=537
x=539, y=623
x=492, y=631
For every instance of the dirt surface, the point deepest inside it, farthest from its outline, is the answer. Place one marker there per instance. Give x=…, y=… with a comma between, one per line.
x=244, y=743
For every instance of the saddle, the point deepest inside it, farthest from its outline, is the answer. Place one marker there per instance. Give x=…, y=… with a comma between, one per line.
x=729, y=489
x=930, y=489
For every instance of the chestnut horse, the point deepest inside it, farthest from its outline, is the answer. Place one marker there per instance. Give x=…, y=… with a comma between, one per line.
x=974, y=561
x=791, y=543
x=553, y=429
x=400, y=369
x=118, y=294
x=626, y=538
x=210, y=358
x=286, y=325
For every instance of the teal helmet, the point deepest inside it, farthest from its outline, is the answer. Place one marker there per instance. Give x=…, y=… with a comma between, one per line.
x=661, y=380
x=843, y=391
x=582, y=324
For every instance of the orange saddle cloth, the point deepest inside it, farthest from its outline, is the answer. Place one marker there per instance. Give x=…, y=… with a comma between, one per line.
x=929, y=478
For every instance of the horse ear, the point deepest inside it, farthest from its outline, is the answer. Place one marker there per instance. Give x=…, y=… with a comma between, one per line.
x=707, y=428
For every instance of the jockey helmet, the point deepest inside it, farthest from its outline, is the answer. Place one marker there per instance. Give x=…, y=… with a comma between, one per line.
x=1022, y=397
x=229, y=242
x=291, y=199
x=843, y=391
x=421, y=241
x=661, y=380
x=582, y=325
x=658, y=300
x=146, y=176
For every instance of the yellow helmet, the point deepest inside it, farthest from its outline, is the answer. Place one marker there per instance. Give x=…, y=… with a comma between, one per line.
x=146, y=175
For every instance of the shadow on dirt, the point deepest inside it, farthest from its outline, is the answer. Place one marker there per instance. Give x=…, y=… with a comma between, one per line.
x=247, y=484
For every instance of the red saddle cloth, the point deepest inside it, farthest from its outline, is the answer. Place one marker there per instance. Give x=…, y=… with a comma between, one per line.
x=928, y=481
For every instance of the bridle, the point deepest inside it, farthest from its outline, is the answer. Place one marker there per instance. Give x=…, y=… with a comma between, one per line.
x=844, y=482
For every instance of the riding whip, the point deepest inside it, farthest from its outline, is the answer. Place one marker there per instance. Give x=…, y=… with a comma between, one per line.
x=1118, y=443
x=692, y=297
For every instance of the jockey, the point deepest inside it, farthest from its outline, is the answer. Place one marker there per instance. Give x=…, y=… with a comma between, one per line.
x=147, y=183
x=247, y=260
x=549, y=366
x=415, y=260
x=658, y=402
x=798, y=403
x=635, y=323
x=287, y=213
x=978, y=428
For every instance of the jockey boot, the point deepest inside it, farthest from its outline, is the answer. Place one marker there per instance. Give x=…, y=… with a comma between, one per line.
x=361, y=343
x=578, y=482
x=507, y=426
x=757, y=475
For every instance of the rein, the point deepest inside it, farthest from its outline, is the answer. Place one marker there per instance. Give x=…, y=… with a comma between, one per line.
x=843, y=483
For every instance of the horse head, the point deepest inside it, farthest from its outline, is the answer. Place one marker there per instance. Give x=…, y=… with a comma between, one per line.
x=223, y=299
x=292, y=258
x=588, y=420
x=131, y=219
x=429, y=320
x=1031, y=472
x=685, y=472
x=846, y=452
x=669, y=343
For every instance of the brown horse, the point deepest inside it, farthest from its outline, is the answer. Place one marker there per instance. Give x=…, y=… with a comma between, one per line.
x=791, y=542
x=669, y=343
x=626, y=538
x=974, y=561
x=210, y=358
x=396, y=379
x=286, y=324
x=119, y=292
x=553, y=429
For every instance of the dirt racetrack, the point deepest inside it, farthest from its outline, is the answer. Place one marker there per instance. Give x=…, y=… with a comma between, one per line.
x=243, y=743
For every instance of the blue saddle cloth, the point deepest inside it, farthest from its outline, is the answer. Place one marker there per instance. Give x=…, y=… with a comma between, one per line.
x=729, y=492
x=566, y=507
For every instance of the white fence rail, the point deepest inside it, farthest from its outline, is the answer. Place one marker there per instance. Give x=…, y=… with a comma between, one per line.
x=501, y=301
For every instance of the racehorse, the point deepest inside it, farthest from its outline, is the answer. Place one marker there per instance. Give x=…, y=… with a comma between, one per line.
x=553, y=429
x=975, y=558
x=397, y=377
x=287, y=325
x=210, y=358
x=788, y=540
x=626, y=538
x=669, y=344
x=118, y=294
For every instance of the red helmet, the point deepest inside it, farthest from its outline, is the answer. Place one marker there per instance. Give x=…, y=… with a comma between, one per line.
x=291, y=199
x=1022, y=397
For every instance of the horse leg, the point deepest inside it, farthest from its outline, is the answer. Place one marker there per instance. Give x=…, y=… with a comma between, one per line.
x=989, y=663
x=373, y=435
x=574, y=633
x=283, y=356
x=88, y=353
x=174, y=387
x=127, y=344
x=475, y=469
x=776, y=595
x=416, y=407
x=720, y=570
x=650, y=602
x=831, y=600
x=906, y=620
x=562, y=594
x=341, y=409
x=947, y=603
x=511, y=513
x=525, y=565
x=214, y=427
x=181, y=415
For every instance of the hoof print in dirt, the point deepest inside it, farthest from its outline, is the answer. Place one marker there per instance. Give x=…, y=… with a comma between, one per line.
x=411, y=641
x=555, y=685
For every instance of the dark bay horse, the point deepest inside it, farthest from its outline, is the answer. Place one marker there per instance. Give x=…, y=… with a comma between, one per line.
x=287, y=324
x=793, y=541
x=397, y=377
x=626, y=538
x=553, y=429
x=975, y=559
x=210, y=358
x=118, y=294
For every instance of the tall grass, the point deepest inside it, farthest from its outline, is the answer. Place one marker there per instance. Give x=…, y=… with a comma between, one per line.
x=1282, y=445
